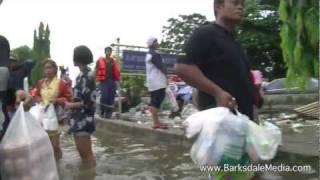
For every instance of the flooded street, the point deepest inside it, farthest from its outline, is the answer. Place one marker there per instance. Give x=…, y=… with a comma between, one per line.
x=121, y=157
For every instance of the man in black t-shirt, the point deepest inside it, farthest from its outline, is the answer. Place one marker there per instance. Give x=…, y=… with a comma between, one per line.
x=215, y=63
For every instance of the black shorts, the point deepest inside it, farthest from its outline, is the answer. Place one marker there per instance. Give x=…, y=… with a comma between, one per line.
x=157, y=97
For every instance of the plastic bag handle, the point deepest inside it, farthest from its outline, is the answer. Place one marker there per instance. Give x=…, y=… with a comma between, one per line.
x=235, y=110
x=21, y=105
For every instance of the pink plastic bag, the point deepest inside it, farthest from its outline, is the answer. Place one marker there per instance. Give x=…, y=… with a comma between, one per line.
x=257, y=76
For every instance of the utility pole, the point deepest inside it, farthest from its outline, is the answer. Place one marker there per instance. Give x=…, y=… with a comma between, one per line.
x=119, y=86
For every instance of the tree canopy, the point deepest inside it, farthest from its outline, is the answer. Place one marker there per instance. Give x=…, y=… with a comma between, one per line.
x=41, y=51
x=258, y=34
x=23, y=52
x=178, y=30
x=300, y=39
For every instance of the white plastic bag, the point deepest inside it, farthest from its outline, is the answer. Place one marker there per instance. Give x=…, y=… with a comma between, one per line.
x=196, y=122
x=25, y=151
x=49, y=118
x=35, y=111
x=229, y=147
x=221, y=139
x=263, y=141
x=201, y=150
x=172, y=100
x=205, y=124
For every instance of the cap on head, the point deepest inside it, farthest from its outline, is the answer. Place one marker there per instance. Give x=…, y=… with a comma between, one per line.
x=150, y=41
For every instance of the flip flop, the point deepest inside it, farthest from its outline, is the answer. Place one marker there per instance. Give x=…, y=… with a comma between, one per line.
x=160, y=126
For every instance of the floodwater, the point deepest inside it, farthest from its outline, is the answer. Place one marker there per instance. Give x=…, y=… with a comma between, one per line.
x=124, y=157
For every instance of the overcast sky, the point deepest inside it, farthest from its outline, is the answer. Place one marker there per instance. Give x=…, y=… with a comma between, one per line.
x=95, y=23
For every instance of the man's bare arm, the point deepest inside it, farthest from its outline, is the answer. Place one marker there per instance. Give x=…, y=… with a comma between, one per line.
x=193, y=76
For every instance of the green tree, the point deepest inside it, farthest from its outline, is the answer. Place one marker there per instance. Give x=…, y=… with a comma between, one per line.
x=259, y=35
x=41, y=51
x=178, y=30
x=23, y=52
x=134, y=84
x=300, y=39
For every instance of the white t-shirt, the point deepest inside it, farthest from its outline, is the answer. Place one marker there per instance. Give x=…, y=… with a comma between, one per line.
x=155, y=79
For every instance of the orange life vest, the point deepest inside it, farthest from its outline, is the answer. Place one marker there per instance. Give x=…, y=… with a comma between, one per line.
x=101, y=72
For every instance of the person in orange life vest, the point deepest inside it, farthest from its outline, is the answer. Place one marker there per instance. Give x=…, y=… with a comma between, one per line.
x=108, y=75
x=51, y=90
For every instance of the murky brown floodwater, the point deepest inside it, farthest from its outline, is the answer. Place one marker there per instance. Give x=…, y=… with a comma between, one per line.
x=122, y=157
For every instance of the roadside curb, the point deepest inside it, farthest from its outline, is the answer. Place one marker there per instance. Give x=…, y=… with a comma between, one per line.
x=293, y=143
x=171, y=135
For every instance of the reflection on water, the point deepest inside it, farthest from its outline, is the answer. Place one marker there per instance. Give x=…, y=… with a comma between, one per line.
x=121, y=157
